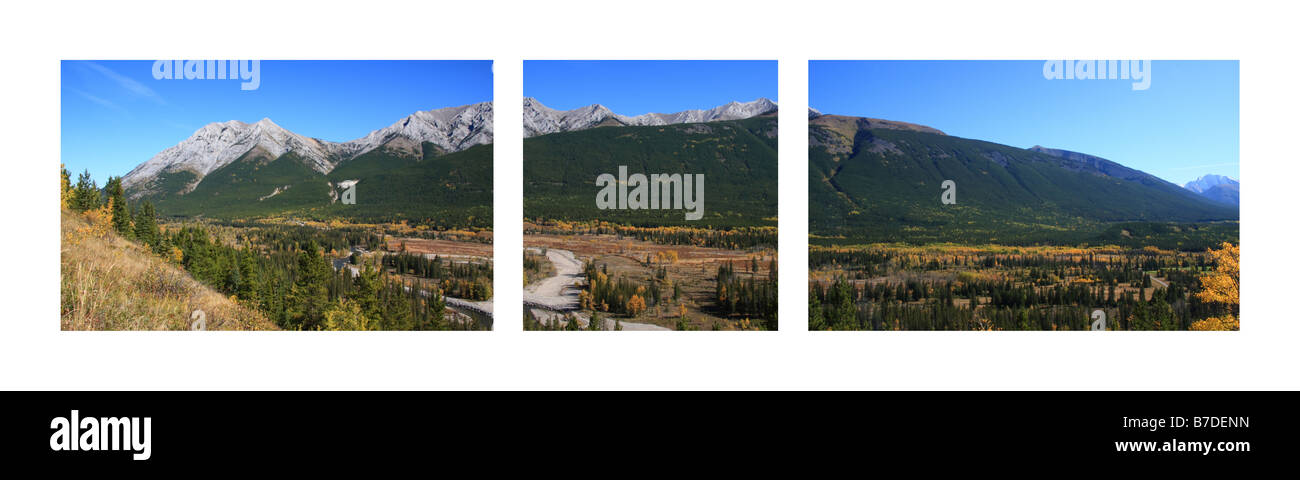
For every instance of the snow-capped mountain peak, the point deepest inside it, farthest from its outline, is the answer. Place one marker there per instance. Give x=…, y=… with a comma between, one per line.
x=1219, y=188
x=216, y=145
x=1208, y=181
x=451, y=129
x=540, y=119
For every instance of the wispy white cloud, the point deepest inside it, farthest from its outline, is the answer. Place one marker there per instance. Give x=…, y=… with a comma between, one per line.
x=100, y=101
x=126, y=83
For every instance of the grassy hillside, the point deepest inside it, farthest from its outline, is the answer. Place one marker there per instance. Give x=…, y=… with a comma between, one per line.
x=418, y=185
x=737, y=159
x=109, y=283
x=871, y=184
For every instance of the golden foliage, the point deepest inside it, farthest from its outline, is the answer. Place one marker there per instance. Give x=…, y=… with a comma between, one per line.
x=346, y=315
x=65, y=188
x=1223, y=284
x=1216, y=324
x=584, y=301
x=99, y=222
x=110, y=283
x=666, y=256
x=635, y=305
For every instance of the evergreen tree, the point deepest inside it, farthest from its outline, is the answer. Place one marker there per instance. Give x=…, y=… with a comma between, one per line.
x=85, y=195
x=146, y=225
x=366, y=294
x=121, y=214
x=308, y=298
x=397, y=306
x=248, y=277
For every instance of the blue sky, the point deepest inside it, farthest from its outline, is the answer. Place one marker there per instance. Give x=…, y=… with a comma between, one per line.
x=115, y=115
x=1183, y=126
x=634, y=87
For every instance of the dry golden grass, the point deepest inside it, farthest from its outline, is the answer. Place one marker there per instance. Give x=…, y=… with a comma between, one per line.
x=108, y=283
x=441, y=247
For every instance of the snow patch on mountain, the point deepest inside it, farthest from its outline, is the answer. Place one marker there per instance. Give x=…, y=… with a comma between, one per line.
x=218, y=144
x=541, y=120
x=273, y=193
x=1206, y=182
x=1219, y=188
x=451, y=129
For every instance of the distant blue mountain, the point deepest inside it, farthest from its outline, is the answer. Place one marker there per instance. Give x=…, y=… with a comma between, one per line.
x=1218, y=188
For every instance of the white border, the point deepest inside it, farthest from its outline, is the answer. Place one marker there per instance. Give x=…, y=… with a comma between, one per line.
x=34, y=354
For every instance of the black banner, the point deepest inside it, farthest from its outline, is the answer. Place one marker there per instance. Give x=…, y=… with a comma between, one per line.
x=322, y=430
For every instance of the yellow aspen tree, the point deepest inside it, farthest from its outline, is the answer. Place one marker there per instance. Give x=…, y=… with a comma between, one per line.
x=1223, y=285
x=65, y=188
x=635, y=305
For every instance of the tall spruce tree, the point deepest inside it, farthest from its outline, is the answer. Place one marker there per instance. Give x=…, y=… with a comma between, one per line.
x=121, y=214
x=146, y=225
x=308, y=298
x=85, y=195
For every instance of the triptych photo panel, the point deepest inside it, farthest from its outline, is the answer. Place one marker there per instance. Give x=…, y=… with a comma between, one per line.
x=955, y=195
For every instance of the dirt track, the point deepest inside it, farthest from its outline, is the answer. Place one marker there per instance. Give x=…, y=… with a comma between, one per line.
x=550, y=297
x=558, y=292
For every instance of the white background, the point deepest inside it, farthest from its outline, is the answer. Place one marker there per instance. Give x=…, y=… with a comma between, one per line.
x=34, y=354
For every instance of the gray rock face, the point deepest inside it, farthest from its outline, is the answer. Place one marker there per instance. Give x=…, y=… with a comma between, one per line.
x=218, y=144
x=1219, y=188
x=1206, y=182
x=541, y=120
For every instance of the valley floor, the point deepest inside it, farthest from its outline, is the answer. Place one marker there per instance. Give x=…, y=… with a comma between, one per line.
x=990, y=287
x=690, y=271
x=452, y=251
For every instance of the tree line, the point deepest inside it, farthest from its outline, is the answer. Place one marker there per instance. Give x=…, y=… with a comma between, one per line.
x=469, y=280
x=282, y=272
x=139, y=224
x=1035, y=292
x=299, y=289
x=749, y=295
x=730, y=238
